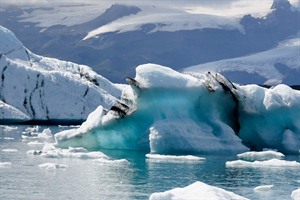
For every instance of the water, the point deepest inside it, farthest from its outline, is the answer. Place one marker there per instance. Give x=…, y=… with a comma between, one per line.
x=87, y=179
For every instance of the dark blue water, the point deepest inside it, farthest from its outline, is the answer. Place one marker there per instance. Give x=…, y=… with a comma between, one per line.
x=86, y=179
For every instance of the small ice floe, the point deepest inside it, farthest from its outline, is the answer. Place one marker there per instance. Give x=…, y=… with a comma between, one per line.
x=296, y=194
x=267, y=163
x=46, y=134
x=29, y=137
x=172, y=158
x=260, y=156
x=9, y=128
x=197, y=190
x=32, y=129
x=110, y=161
x=35, y=143
x=51, y=151
x=5, y=164
x=10, y=150
x=263, y=188
x=53, y=166
x=8, y=138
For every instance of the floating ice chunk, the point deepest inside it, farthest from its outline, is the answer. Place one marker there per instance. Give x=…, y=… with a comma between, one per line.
x=10, y=150
x=46, y=134
x=260, y=156
x=32, y=129
x=50, y=151
x=8, y=138
x=53, y=166
x=5, y=164
x=35, y=143
x=197, y=190
x=296, y=194
x=77, y=150
x=263, y=188
x=110, y=161
x=172, y=158
x=268, y=163
x=9, y=128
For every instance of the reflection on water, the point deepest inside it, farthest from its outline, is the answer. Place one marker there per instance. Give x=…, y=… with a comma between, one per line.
x=87, y=179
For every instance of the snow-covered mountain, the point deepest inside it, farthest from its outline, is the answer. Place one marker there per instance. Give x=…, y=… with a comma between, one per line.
x=114, y=39
x=45, y=89
x=277, y=65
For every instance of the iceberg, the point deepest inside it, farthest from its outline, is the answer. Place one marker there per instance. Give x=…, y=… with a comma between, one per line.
x=195, y=191
x=296, y=194
x=37, y=88
x=167, y=112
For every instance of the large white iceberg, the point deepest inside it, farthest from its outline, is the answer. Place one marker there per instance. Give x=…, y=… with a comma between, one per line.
x=296, y=194
x=167, y=112
x=197, y=190
x=39, y=88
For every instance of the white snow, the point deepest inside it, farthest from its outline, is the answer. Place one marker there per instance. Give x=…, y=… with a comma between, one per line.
x=50, y=14
x=265, y=164
x=262, y=63
x=260, y=156
x=197, y=190
x=263, y=188
x=296, y=194
x=166, y=19
x=47, y=88
x=173, y=158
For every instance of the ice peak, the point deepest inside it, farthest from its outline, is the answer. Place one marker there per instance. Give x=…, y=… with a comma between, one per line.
x=281, y=4
x=120, y=8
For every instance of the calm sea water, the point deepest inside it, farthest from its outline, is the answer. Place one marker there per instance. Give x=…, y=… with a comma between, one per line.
x=86, y=179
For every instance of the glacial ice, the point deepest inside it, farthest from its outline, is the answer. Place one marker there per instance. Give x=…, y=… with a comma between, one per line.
x=197, y=190
x=167, y=112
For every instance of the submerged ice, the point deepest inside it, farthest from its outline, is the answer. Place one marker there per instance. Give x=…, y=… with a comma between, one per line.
x=167, y=112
